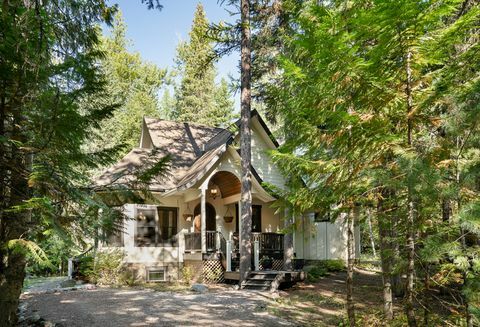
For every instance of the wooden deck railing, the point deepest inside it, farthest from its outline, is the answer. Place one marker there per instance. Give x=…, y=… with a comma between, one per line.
x=193, y=242
x=269, y=242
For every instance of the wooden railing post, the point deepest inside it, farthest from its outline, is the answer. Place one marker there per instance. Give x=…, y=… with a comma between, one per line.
x=203, y=219
x=256, y=255
x=229, y=255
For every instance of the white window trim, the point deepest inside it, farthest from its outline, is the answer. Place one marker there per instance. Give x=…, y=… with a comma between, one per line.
x=155, y=269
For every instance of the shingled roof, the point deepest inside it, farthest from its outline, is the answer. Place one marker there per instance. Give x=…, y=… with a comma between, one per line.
x=192, y=148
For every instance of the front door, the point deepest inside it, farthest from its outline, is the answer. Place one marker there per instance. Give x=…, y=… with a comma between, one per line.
x=211, y=218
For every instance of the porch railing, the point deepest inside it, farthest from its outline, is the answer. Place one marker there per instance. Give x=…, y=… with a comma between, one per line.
x=211, y=241
x=193, y=242
x=214, y=241
x=268, y=242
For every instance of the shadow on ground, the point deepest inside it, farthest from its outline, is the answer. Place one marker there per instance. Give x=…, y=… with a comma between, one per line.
x=143, y=307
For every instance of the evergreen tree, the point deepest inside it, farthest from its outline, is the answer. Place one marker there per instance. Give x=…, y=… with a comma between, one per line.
x=167, y=103
x=222, y=113
x=133, y=84
x=49, y=67
x=365, y=88
x=245, y=144
x=198, y=98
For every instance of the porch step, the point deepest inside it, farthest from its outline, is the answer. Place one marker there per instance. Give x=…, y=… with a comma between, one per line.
x=261, y=281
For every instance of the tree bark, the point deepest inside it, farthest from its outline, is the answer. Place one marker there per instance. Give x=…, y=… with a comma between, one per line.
x=370, y=231
x=386, y=258
x=288, y=241
x=468, y=315
x=350, y=264
x=245, y=144
x=412, y=209
x=12, y=263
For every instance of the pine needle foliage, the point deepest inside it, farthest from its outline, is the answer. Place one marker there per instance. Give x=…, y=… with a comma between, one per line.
x=379, y=97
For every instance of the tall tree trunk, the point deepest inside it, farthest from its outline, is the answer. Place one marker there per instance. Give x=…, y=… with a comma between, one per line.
x=370, y=232
x=412, y=209
x=245, y=144
x=351, y=217
x=14, y=226
x=398, y=286
x=386, y=257
x=288, y=241
x=468, y=315
x=446, y=210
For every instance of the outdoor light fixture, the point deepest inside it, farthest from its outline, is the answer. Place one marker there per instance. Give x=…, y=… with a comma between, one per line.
x=213, y=192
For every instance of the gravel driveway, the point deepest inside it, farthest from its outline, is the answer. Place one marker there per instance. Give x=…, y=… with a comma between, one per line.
x=143, y=307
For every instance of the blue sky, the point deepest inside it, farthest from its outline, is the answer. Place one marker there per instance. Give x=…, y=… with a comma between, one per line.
x=155, y=34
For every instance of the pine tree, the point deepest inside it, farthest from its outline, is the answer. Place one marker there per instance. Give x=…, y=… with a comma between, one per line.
x=361, y=91
x=133, y=84
x=245, y=144
x=197, y=95
x=222, y=113
x=49, y=68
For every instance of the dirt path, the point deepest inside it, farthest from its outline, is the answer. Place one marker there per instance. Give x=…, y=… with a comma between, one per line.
x=143, y=307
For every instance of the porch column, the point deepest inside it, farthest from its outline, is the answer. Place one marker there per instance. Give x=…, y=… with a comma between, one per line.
x=203, y=220
x=229, y=255
x=288, y=241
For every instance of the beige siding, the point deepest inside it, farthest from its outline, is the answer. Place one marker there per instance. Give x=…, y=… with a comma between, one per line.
x=163, y=256
x=262, y=163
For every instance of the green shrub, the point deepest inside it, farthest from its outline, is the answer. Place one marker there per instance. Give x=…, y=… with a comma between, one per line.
x=109, y=266
x=315, y=273
x=127, y=277
x=322, y=268
x=187, y=274
x=105, y=269
x=333, y=265
x=85, y=269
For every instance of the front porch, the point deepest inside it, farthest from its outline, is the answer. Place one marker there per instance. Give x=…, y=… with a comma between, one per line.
x=266, y=247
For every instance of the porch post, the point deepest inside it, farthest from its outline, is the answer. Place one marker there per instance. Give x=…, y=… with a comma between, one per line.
x=239, y=224
x=256, y=255
x=70, y=268
x=203, y=220
x=229, y=255
x=288, y=241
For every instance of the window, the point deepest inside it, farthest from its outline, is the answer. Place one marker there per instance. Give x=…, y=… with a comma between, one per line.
x=167, y=225
x=155, y=275
x=146, y=227
x=156, y=226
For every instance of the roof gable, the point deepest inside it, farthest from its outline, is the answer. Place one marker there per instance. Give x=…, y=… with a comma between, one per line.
x=193, y=149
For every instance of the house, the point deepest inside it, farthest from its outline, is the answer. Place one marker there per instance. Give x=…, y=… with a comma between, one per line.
x=192, y=219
